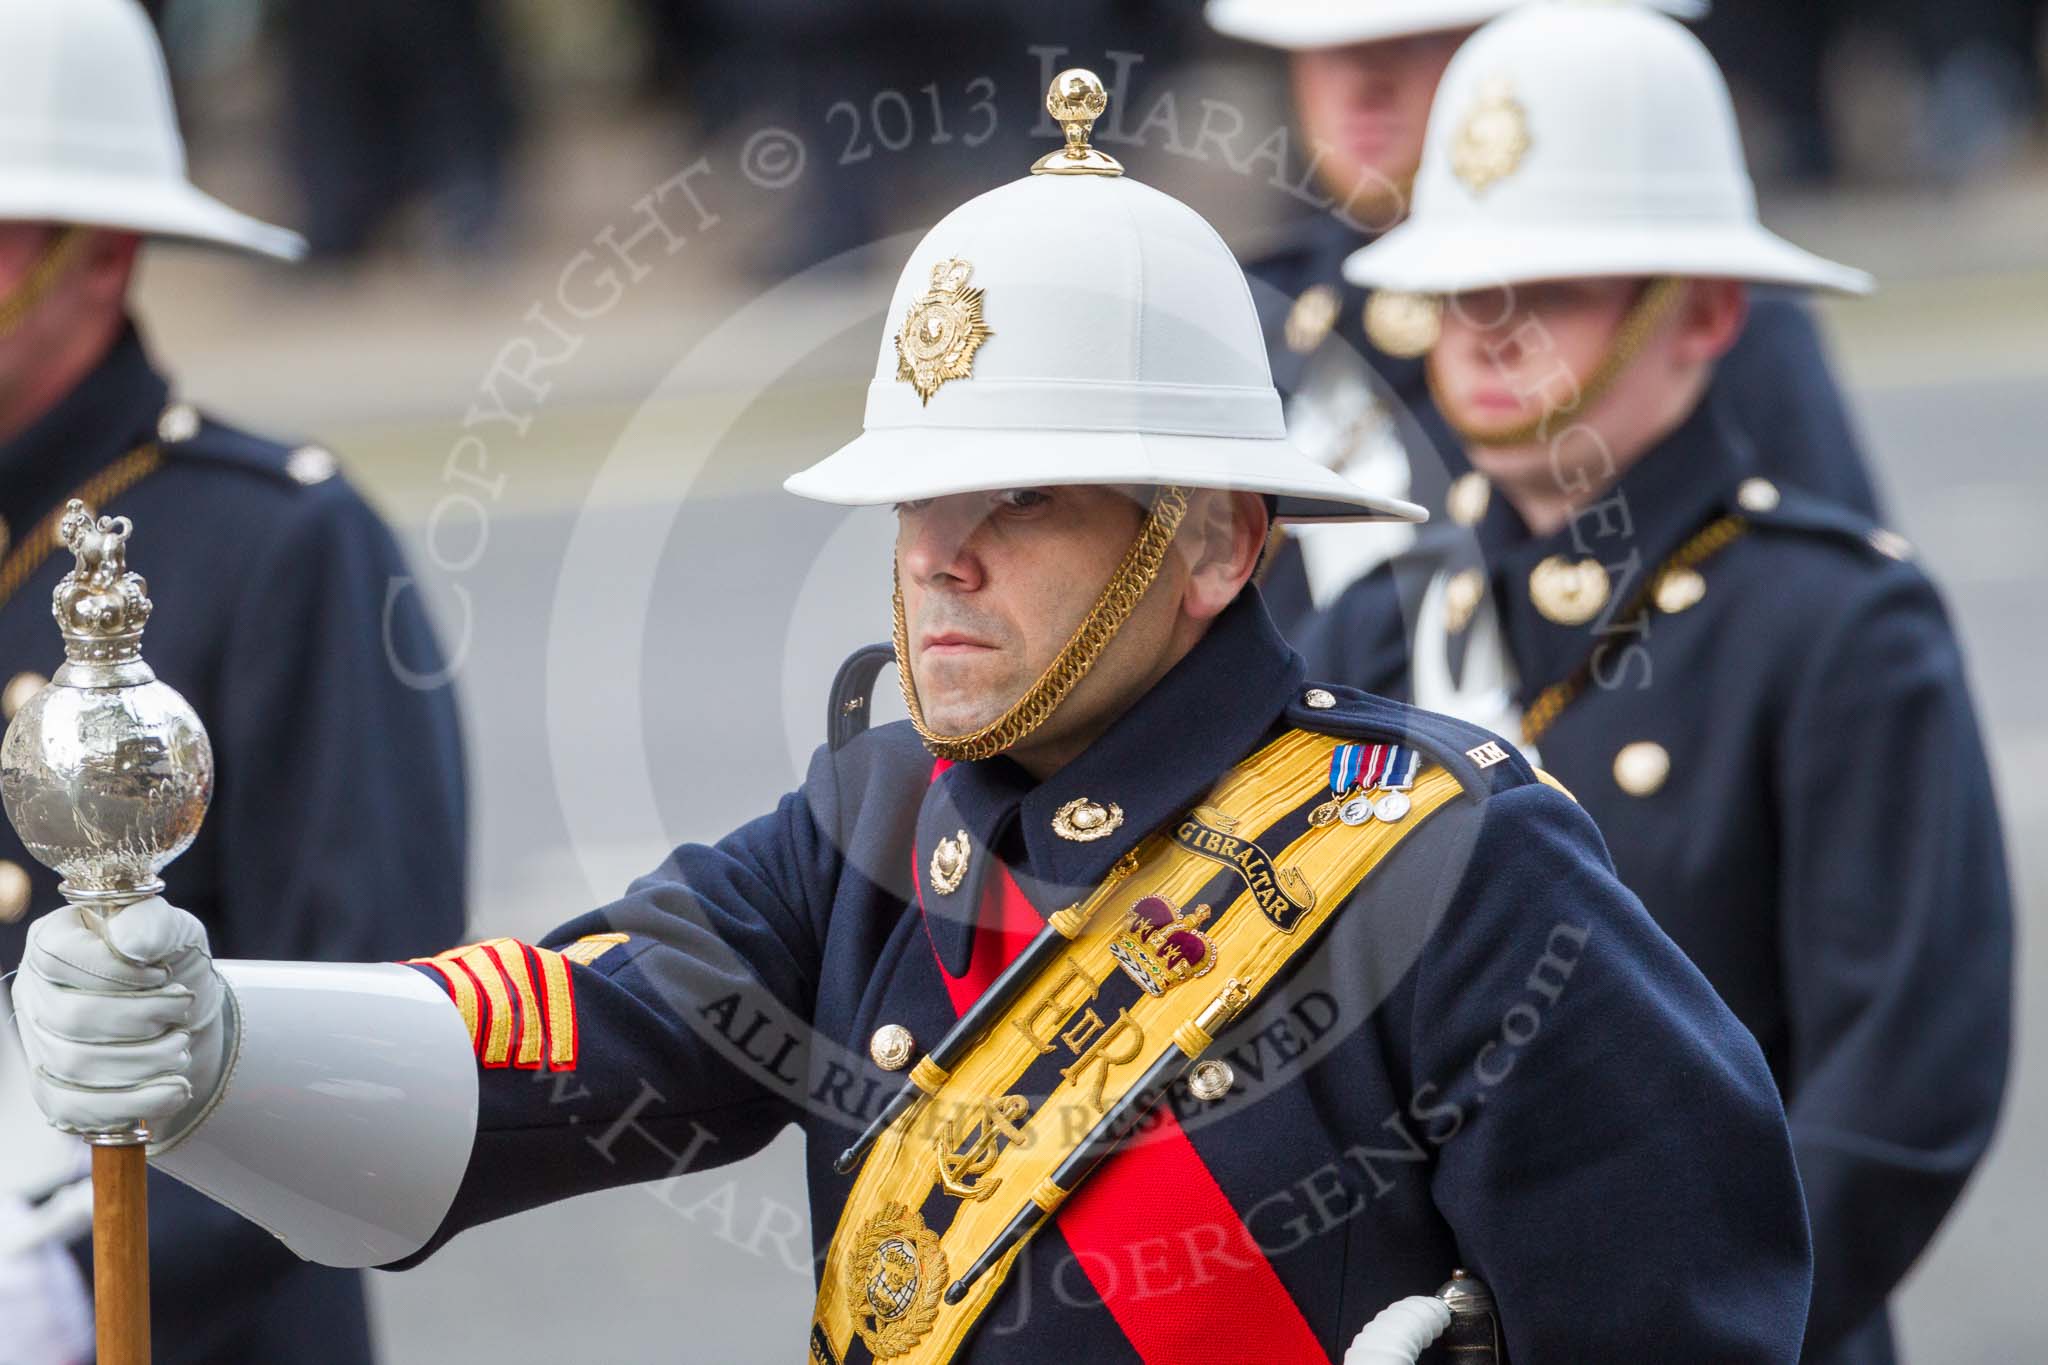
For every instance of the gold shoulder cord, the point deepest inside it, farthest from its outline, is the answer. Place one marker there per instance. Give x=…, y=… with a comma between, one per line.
x=1643, y=319
x=29, y=552
x=41, y=541
x=1119, y=598
x=1551, y=702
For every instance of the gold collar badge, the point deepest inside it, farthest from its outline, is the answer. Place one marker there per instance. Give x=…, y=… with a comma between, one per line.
x=1493, y=139
x=942, y=331
x=949, y=863
x=1084, y=821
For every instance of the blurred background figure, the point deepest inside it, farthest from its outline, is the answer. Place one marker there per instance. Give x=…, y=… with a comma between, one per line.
x=283, y=615
x=873, y=81
x=1363, y=74
x=395, y=102
x=1677, y=632
x=1963, y=82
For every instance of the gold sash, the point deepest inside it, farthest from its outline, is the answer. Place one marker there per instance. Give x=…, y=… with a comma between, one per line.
x=976, y=1152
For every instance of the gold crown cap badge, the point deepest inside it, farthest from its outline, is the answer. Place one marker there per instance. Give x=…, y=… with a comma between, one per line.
x=945, y=327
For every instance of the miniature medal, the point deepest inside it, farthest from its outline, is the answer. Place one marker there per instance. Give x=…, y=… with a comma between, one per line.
x=1398, y=775
x=1345, y=763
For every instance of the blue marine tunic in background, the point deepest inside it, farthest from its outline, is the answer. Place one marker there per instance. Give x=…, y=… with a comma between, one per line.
x=1785, y=760
x=338, y=825
x=1777, y=377
x=1612, y=1159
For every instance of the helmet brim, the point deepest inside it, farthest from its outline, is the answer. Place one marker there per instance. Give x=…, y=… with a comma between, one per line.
x=1426, y=258
x=900, y=464
x=1309, y=25
x=169, y=211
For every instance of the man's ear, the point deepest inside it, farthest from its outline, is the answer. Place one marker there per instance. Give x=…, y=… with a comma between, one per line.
x=1223, y=535
x=1711, y=319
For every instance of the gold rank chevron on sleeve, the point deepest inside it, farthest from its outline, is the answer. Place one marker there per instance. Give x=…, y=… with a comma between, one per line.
x=518, y=1002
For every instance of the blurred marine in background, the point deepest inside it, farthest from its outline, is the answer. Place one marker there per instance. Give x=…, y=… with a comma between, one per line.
x=338, y=820
x=1363, y=73
x=1753, y=688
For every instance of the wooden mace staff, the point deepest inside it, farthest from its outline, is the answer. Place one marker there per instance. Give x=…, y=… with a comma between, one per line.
x=106, y=774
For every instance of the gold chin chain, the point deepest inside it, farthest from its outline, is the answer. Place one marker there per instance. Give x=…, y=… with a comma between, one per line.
x=32, y=549
x=50, y=267
x=1112, y=608
x=1642, y=321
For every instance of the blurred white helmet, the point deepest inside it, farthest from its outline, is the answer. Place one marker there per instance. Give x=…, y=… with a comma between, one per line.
x=1077, y=327
x=88, y=135
x=1575, y=139
x=1302, y=25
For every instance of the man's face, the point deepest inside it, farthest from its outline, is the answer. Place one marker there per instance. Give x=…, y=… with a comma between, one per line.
x=1508, y=356
x=993, y=586
x=1367, y=106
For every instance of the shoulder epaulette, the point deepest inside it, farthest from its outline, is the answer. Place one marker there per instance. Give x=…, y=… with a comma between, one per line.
x=1773, y=507
x=852, y=701
x=185, y=434
x=1481, y=761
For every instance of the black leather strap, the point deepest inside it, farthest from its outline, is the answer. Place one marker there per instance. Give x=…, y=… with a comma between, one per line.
x=852, y=696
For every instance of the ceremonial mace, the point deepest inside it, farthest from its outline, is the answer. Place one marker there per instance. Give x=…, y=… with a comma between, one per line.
x=105, y=775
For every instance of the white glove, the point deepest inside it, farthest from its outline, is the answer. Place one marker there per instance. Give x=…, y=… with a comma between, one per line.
x=1400, y=1334
x=43, y=1299
x=124, y=1019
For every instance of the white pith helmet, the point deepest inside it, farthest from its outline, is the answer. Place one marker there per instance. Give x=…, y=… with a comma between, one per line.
x=1077, y=327
x=1304, y=25
x=88, y=134
x=1575, y=140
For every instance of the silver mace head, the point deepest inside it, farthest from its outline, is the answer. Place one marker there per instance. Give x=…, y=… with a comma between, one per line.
x=106, y=772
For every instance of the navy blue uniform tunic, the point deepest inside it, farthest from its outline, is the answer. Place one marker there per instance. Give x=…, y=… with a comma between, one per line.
x=1777, y=376
x=1825, y=845
x=337, y=825
x=1493, y=1059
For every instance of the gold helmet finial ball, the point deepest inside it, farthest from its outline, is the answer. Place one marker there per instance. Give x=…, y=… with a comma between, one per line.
x=1076, y=99
x=1076, y=94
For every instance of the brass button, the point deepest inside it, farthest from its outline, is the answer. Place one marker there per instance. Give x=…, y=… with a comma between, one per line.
x=1640, y=768
x=1466, y=501
x=1085, y=821
x=310, y=465
x=1211, y=1080
x=1404, y=325
x=1316, y=699
x=19, y=689
x=891, y=1047
x=1757, y=495
x=1890, y=544
x=14, y=891
x=1311, y=318
x=179, y=422
x=1566, y=593
x=1462, y=595
x=1679, y=589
